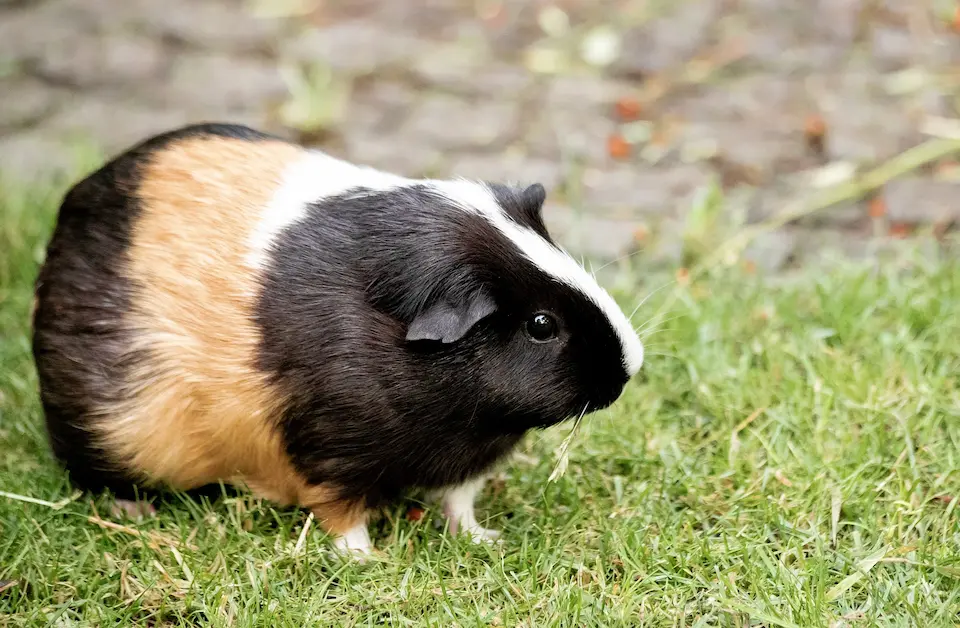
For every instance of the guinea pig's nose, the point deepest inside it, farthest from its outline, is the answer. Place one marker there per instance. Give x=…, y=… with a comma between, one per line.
x=606, y=396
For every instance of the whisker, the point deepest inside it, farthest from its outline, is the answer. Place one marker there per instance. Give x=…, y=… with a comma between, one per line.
x=662, y=354
x=620, y=259
x=657, y=322
x=656, y=331
x=647, y=298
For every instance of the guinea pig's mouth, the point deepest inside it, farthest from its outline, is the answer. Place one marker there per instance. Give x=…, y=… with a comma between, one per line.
x=603, y=397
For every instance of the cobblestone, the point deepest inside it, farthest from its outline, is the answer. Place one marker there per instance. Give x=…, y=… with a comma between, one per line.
x=33, y=100
x=113, y=60
x=923, y=201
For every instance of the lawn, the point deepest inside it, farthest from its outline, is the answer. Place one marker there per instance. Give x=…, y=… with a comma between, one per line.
x=790, y=457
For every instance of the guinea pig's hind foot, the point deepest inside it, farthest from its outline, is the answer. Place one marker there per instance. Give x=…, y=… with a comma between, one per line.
x=355, y=543
x=133, y=509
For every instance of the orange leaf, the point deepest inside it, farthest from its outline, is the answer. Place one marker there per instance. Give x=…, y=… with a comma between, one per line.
x=415, y=514
x=815, y=126
x=750, y=266
x=628, y=108
x=617, y=147
x=900, y=230
x=877, y=207
x=782, y=478
x=955, y=23
x=683, y=277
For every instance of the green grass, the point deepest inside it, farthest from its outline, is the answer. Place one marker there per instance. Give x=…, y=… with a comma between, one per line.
x=790, y=457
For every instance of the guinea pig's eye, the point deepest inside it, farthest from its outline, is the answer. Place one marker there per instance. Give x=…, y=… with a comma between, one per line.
x=541, y=328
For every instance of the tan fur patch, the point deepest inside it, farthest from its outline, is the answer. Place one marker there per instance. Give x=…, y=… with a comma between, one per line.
x=199, y=411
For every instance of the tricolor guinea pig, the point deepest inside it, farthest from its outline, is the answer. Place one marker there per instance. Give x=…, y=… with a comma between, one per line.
x=219, y=305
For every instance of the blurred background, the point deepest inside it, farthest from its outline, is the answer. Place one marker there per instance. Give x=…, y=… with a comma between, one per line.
x=658, y=125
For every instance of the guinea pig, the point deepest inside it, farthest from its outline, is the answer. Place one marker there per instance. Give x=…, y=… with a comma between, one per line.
x=221, y=305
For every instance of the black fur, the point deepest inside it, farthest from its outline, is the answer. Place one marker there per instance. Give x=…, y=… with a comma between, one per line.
x=79, y=343
x=376, y=413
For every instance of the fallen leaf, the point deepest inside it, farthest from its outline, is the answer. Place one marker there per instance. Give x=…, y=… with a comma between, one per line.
x=414, y=514
x=641, y=233
x=683, y=276
x=628, y=108
x=617, y=147
x=750, y=267
x=900, y=230
x=877, y=207
x=815, y=129
x=955, y=23
x=782, y=478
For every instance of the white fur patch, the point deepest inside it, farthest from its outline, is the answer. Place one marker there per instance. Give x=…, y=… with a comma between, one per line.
x=356, y=540
x=312, y=178
x=317, y=176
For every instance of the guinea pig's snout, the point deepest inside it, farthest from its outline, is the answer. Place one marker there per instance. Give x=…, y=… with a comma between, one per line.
x=604, y=396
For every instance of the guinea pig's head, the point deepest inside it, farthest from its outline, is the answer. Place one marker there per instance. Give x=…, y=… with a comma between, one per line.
x=503, y=319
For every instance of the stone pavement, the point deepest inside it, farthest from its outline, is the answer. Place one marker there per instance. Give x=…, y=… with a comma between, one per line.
x=627, y=110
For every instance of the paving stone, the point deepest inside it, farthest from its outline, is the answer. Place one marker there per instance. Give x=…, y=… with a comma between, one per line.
x=509, y=167
x=452, y=123
x=219, y=82
x=892, y=48
x=434, y=20
x=641, y=190
x=513, y=29
x=354, y=47
x=563, y=135
x=471, y=74
x=864, y=124
x=584, y=234
x=222, y=25
x=756, y=122
x=32, y=156
x=27, y=101
x=586, y=94
x=377, y=108
x=114, y=125
x=922, y=201
x=793, y=36
x=87, y=61
x=396, y=153
x=667, y=41
x=26, y=32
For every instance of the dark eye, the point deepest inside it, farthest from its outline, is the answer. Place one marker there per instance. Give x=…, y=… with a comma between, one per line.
x=541, y=328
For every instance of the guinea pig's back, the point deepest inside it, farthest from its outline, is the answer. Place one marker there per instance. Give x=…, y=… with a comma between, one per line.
x=145, y=339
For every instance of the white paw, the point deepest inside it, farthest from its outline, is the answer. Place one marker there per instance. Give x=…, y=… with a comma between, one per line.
x=478, y=534
x=355, y=544
x=133, y=509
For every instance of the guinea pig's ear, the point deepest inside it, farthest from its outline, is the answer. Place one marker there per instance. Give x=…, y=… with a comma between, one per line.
x=449, y=322
x=531, y=202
